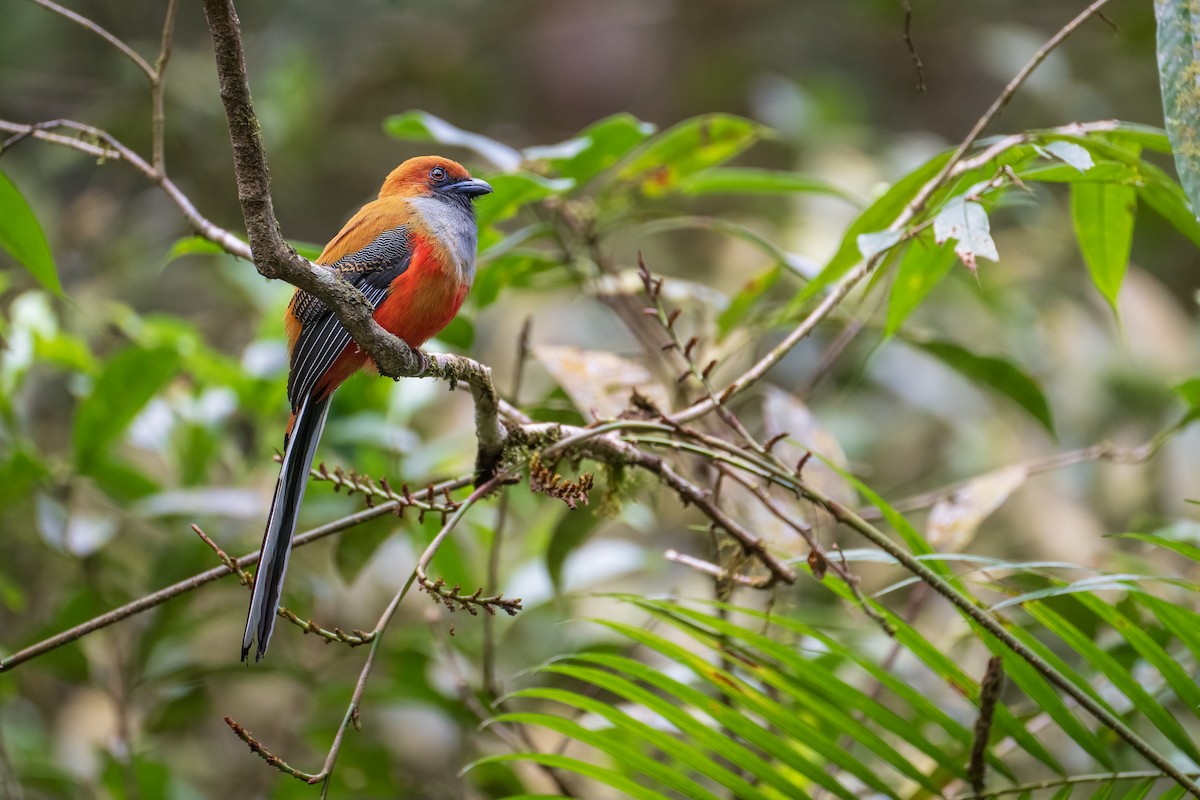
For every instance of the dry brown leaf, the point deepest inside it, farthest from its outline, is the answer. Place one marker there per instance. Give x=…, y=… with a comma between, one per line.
x=955, y=519
x=599, y=383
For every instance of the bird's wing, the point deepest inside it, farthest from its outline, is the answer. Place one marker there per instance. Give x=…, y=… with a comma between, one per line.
x=371, y=266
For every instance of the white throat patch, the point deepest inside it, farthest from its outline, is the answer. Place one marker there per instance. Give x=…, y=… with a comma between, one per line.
x=453, y=224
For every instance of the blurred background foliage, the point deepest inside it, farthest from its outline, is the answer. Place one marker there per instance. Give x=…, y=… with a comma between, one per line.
x=150, y=395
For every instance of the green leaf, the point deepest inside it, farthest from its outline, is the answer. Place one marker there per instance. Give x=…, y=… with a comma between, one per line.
x=1177, y=69
x=1159, y=191
x=517, y=269
x=1150, y=137
x=421, y=126
x=748, y=180
x=1101, y=172
x=599, y=147
x=878, y=216
x=751, y=699
x=733, y=718
x=1182, y=548
x=511, y=191
x=923, y=707
x=618, y=747
x=1189, y=392
x=21, y=236
x=1184, y=687
x=1103, y=216
x=190, y=246
x=997, y=374
x=684, y=752
x=922, y=267
x=686, y=148
x=1122, y=678
x=1035, y=687
x=126, y=384
x=815, y=690
x=699, y=734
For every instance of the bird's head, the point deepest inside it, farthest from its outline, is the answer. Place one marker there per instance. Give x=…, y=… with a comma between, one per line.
x=433, y=176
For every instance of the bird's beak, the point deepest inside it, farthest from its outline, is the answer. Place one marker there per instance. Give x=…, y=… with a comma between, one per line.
x=470, y=187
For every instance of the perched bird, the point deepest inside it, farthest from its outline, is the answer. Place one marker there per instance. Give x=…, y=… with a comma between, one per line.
x=411, y=252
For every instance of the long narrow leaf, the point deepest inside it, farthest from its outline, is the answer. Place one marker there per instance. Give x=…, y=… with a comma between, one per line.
x=806, y=680
x=1120, y=677
x=743, y=729
x=750, y=699
x=684, y=752
x=629, y=757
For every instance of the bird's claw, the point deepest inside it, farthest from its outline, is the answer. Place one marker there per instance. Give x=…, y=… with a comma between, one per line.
x=423, y=362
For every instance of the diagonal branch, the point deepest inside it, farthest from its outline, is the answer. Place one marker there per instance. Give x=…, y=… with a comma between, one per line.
x=953, y=167
x=103, y=145
x=208, y=576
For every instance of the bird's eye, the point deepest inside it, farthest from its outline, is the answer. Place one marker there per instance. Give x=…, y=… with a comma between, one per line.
x=438, y=174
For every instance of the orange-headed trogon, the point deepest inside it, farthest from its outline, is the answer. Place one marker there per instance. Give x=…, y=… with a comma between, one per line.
x=411, y=252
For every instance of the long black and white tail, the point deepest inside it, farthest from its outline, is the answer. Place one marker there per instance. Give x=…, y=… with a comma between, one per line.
x=281, y=524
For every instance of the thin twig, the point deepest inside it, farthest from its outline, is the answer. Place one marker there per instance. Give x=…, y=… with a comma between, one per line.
x=259, y=749
x=1002, y=100
x=1070, y=780
x=101, y=144
x=84, y=22
x=157, y=117
x=720, y=573
x=851, y=279
x=355, y=638
x=198, y=580
x=912, y=48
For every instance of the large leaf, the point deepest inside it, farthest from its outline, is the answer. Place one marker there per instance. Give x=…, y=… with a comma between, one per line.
x=421, y=126
x=748, y=180
x=688, y=147
x=128, y=381
x=996, y=374
x=21, y=236
x=512, y=191
x=597, y=148
x=1178, y=63
x=1159, y=191
x=1103, y=215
